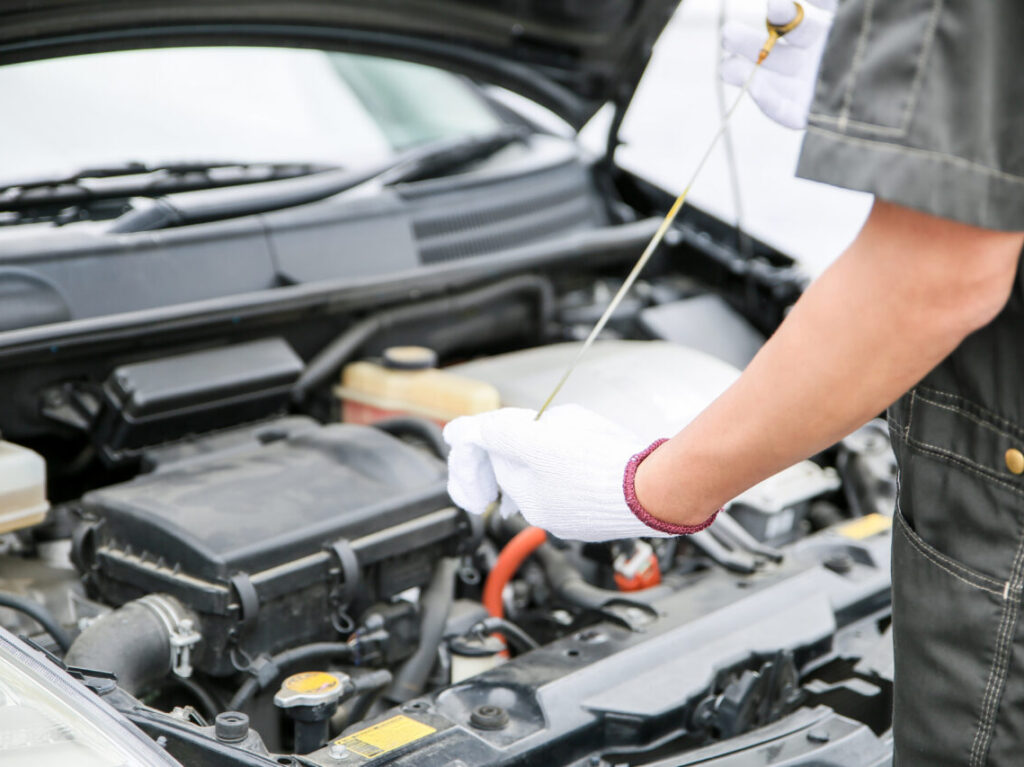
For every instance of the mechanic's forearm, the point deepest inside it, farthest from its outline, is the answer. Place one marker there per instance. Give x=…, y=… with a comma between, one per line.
x=897, y=302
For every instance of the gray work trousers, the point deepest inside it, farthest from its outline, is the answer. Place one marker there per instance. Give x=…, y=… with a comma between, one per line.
x=958, y=554
x=921, y=103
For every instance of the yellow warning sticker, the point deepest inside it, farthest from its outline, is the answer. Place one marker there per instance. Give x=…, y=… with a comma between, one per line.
x=386, y=736
x=866, y=526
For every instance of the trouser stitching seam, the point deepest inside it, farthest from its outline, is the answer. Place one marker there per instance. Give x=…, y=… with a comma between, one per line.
x=965, y=463
x=964, y=575
x=970, y=416
x=994, y=688
x=1000, y=664
x=909, y=415
x=974, y=759
x=982, y=412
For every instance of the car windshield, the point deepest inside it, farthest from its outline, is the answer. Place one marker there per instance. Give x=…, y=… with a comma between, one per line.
x=242, y=104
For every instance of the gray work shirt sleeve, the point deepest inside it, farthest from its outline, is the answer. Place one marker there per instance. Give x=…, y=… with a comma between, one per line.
x=921, y=102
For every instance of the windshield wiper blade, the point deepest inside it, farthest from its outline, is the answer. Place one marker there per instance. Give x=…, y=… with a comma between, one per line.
x=137, y=179
x=446, y=157
x=138, y=168
x=421, y=162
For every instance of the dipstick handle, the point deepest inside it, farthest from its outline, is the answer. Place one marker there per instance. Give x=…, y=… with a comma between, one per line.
x=777, y=31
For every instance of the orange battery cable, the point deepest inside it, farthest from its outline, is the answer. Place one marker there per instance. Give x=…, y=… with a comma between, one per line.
x=512, y=556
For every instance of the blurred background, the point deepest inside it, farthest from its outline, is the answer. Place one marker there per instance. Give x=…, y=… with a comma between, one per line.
x=675, y=114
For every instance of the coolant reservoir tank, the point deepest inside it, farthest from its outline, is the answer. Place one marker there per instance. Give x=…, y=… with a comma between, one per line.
x=406, y=382
x=22, y=487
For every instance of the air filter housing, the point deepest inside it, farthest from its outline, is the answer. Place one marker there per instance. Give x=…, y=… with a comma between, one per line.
x=271, y=543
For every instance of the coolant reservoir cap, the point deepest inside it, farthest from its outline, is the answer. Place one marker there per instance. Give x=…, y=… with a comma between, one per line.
x=310, y=688
x=409, y=358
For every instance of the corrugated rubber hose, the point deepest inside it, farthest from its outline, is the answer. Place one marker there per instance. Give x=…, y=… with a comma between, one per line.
x=132, y=642
x=435, y=607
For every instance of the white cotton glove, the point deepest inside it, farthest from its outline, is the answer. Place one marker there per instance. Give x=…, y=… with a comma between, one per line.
x=784, y=87
x=564, y=473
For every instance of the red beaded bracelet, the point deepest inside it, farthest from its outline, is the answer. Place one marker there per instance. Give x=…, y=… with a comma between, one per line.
x=629, y=490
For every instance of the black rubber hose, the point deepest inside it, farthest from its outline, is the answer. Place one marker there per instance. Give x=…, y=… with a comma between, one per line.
x=568, y=584
x=500, y=324
x=209, y=704
x=282, y=661
x=421, y=428
x=435, y=607
x=330, y=359
x=366, y=687
x=566, y=581
x=515, y=636
x=132, y=642
x=359, y=708
x=40, y=615
x=371, y=681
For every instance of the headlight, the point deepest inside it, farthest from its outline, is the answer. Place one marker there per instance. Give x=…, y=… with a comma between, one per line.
x=46, y=718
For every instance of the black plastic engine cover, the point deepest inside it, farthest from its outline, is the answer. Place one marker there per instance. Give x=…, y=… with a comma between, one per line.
x=270, y=542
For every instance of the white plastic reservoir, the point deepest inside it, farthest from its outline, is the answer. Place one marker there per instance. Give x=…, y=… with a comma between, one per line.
x=22, y=487
x=652, y=388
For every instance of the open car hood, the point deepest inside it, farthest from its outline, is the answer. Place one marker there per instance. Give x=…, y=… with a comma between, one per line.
x=570, y=55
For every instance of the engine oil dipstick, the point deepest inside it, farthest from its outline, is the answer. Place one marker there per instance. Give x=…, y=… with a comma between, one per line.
x=775, y=33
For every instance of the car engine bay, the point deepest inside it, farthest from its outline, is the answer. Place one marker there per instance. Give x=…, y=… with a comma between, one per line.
x=250, y=553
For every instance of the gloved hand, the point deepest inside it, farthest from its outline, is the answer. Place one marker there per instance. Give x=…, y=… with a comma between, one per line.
x=784, y=87
x=570, y=472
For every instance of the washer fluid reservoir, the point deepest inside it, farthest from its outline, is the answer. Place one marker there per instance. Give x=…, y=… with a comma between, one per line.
x=22, y=487
x=406, y=382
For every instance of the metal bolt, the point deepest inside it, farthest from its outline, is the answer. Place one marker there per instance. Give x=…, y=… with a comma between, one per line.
x=489, y=717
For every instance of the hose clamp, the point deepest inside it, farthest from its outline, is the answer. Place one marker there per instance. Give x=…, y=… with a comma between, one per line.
x=182, y=635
